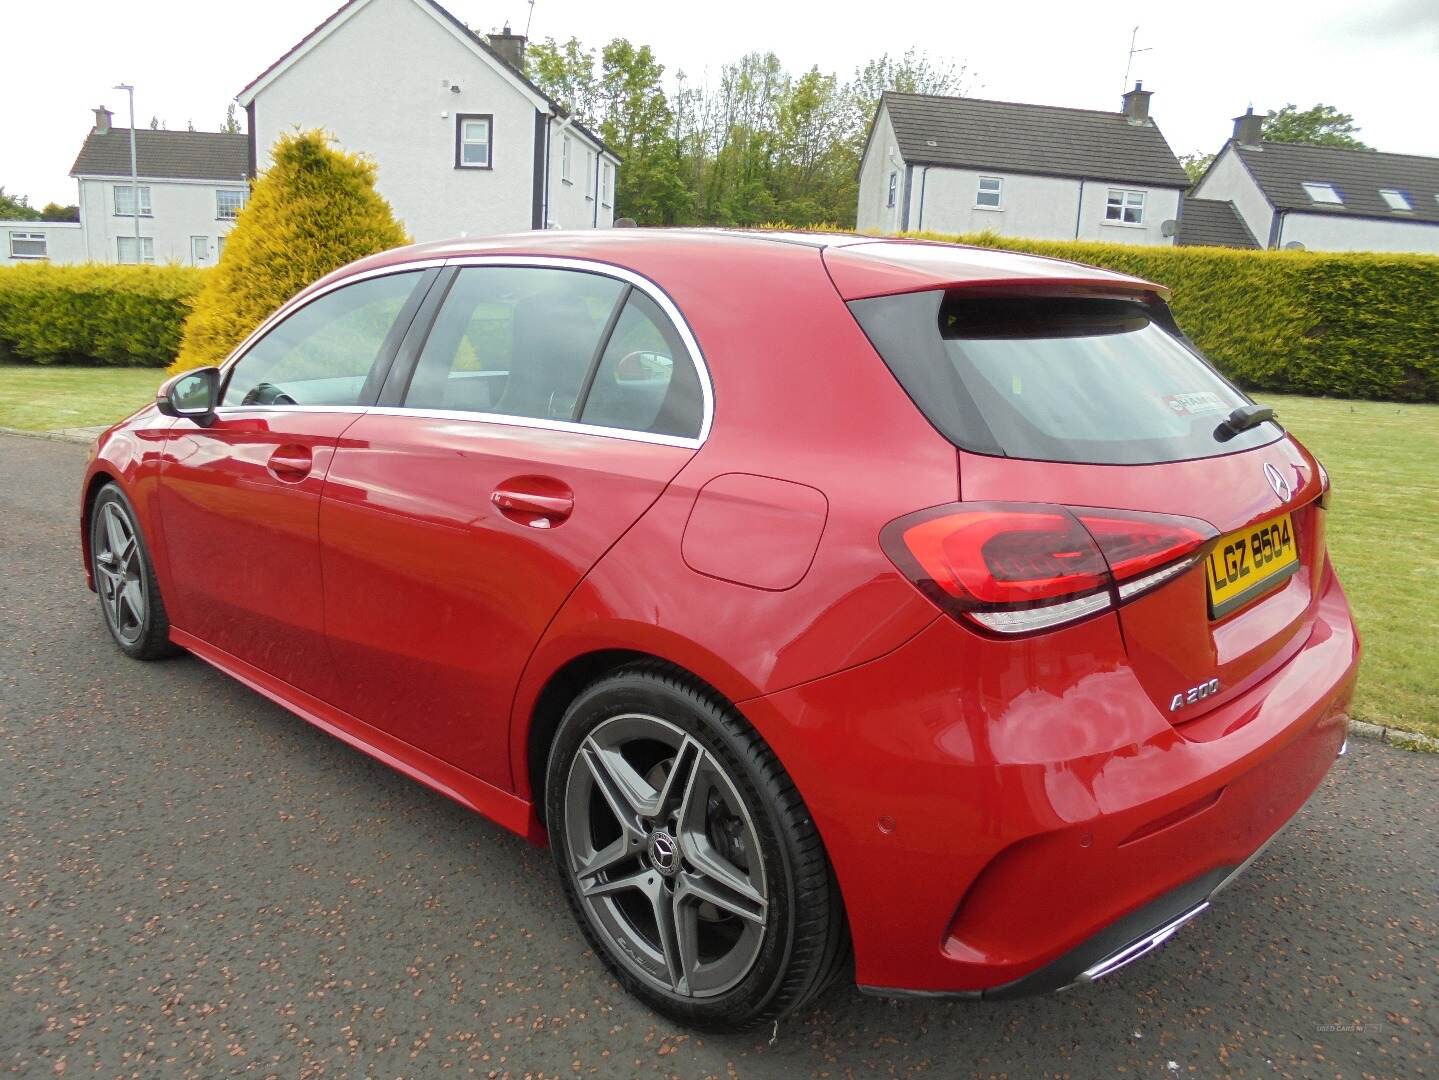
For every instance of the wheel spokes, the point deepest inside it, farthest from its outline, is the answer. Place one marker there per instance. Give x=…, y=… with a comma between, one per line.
x=624, y=790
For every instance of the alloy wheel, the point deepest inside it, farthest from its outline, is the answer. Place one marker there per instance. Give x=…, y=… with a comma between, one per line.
x=665, y=856
x=119, y=572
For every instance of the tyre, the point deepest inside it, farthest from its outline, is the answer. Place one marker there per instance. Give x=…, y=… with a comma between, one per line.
x=688, y=856
x=125, y=579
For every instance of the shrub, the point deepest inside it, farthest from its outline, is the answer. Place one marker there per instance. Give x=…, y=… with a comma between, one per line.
x=1350, y=324
x=93, y=313
x=314, y=210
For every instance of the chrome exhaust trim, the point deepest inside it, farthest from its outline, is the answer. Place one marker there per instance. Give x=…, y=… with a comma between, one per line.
x=1134, y=950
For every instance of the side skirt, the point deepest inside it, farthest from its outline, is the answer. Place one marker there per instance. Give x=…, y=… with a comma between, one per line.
x=501, y=807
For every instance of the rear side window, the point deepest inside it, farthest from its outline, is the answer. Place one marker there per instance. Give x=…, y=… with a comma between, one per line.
x=1065, y=379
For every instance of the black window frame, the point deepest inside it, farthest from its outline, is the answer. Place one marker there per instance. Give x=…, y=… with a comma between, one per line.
x=460, y=120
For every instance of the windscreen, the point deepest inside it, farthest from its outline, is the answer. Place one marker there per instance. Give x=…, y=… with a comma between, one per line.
x=1073, y=379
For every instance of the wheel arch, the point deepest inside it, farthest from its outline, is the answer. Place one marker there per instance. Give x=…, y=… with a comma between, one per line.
x=97, y=479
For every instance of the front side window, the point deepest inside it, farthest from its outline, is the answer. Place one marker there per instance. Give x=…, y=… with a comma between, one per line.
x=28, y=245
x=125, y=251
x=893, y=189
x=325, y=352
x=1126, y=207
x=472, y=141
x=1050, y=378
x=646, y=380
x=514, y=341
x=228, y=202
x=125, y=200
x=989, y=192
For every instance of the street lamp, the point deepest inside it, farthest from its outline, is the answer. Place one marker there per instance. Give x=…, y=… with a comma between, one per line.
x=134, y=169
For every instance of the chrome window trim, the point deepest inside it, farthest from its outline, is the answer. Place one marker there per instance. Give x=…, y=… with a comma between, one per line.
x=556, y=262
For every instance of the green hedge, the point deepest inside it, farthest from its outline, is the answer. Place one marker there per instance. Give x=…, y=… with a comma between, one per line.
x=90, y=313
x=1353, y=325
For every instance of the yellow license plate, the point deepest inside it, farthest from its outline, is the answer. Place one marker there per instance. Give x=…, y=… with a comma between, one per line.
x=1248, y=563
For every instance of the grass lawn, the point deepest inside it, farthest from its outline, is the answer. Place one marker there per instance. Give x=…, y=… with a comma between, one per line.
x=39, y=398
x=1383, y=460
x=1383, y=527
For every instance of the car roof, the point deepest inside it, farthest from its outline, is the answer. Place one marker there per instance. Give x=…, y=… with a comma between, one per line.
x=860, y=266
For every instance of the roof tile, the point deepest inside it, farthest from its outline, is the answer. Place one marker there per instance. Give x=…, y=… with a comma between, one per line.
x=1281, y=168
x=165, y=155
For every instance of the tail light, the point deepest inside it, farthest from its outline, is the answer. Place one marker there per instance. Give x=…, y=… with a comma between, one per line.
x=1015, y=568
x=1325, y=487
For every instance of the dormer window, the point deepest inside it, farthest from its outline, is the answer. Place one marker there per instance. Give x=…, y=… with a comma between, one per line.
x=1397, y=200
x=1322, y=193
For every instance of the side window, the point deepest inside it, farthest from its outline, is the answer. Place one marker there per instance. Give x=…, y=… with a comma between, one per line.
x=514, y=340
x=323, y=353
x=646, y=380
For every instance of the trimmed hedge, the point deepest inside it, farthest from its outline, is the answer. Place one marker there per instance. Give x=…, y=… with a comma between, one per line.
x=91, y=313
x=1351, y=324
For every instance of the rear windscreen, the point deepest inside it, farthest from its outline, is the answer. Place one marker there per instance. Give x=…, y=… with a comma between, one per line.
x=1076, y=379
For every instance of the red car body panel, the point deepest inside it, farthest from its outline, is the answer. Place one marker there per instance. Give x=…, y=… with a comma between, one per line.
x=955, y=776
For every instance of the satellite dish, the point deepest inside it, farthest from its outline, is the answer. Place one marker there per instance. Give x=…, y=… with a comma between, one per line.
x=1294, y=245
x=1168, y=228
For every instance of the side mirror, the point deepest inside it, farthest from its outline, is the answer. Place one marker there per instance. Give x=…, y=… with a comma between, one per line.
x=191, y=394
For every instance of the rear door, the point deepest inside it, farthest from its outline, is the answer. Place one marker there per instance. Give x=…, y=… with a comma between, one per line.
x=1097, y=401
x=544, y=411
x=240, y=498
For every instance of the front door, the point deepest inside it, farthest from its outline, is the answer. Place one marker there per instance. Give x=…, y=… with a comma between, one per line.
x=239, y=499
x=547, y=411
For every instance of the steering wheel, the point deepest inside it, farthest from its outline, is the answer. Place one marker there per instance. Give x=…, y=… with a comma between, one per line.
x=267, y=394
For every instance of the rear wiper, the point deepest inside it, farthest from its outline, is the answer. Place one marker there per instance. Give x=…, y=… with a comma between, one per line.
x=1242, y=419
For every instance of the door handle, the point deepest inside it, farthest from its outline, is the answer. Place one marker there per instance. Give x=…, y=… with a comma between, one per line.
x=291, y=463
x=538, y=502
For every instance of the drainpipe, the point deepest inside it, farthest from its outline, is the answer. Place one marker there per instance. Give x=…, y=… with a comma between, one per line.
x=923, y=183
x=1079, y=209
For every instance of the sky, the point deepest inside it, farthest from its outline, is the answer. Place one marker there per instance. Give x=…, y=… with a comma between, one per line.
x=187, y=59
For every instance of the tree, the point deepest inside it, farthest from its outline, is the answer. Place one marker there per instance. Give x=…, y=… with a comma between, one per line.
x=231, y=126
x=56, y=212
x=314, y=210
x=16, y=208
x=635, y=121
x=1195, y=164
x=567, y=73
x=1319, y=125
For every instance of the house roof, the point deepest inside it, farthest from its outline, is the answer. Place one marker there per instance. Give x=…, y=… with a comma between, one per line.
x=1045, y=140
x=164, y=155
x=1213, y=223
x=478, y=41
x=1357, y=175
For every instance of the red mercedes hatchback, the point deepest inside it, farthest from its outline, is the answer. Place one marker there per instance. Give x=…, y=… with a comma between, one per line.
x=820, y=601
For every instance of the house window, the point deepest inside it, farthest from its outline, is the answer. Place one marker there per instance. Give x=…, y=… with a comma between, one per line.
x=472, y=141
x=28, y=245
x=605, y=183
x=989, y=193
x=1125, y=207
x=220, y=246
x=125, y=249
x=1322, y=193
x=565, y=160
x=125, y=200
x=228, y=202
x=1397, y=200
x=893, y=188
x=589, y=174
x=199, y=249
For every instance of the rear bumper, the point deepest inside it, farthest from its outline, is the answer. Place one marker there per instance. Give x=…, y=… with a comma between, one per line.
x=997, y=835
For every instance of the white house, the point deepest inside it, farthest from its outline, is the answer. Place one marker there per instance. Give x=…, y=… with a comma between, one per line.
x=964, y=165
x=191, y=186
x=1325, y=198
x=465, y=143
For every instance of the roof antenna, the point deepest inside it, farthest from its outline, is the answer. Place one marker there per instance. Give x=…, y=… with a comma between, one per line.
x=530, y=20
x=1133, y=39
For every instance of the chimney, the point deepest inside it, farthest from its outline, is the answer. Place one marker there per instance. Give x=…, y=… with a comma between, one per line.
x=511, y=47
x=1248, y=128
x=1136, y=104
x=102, y=120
